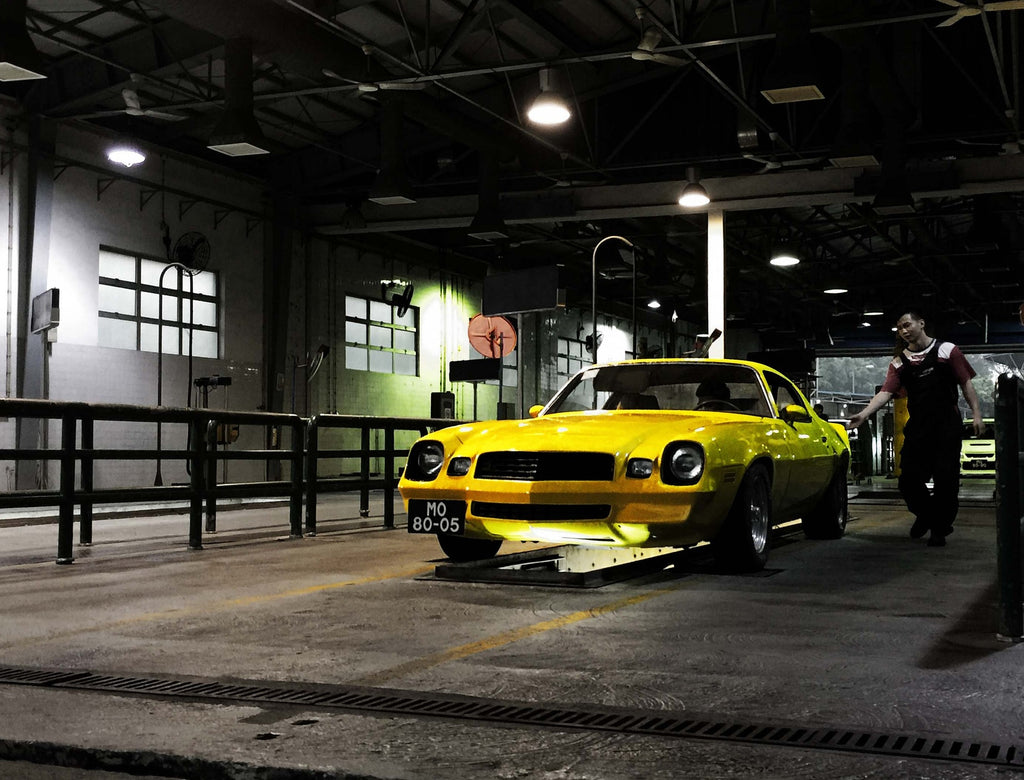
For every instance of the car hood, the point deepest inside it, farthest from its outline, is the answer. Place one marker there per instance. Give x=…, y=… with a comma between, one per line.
x=617, y=431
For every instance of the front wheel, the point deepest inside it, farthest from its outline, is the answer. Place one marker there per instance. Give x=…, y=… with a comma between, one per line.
x=742, y=542
x=462, y=549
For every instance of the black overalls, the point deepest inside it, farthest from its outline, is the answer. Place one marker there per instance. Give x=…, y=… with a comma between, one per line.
x=932, y=439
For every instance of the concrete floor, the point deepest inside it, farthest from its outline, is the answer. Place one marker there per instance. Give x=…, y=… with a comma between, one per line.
x=872, y=632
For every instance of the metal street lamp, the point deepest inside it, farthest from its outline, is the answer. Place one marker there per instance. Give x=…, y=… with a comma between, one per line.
x=593, y=292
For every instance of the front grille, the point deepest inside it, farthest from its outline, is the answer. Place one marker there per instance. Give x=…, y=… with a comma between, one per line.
x=540, y=512
x=546, y=466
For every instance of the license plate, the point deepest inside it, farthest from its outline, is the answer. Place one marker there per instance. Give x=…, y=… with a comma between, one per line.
x=437, y=517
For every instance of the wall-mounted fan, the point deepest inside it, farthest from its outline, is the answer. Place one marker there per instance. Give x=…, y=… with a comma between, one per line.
x=192, y=250
x=401, y=301
x=492, y=336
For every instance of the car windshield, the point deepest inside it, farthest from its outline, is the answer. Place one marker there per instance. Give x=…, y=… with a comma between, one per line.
x=712, y=387
x=989, y=432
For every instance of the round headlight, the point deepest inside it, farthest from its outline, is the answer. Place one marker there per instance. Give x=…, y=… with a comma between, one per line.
x=683, y=463
x=429, y=458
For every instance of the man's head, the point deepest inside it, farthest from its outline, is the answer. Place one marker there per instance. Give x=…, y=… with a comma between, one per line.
x=713, y=390
x=910, y=326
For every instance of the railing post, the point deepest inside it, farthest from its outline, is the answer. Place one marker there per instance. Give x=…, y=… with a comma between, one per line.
x=85, y=505
x=197, y=482
x=66, y=523
x=298, y=461
x=1008, y=506
x=210, y=432
x=312, y=460
x=364, y=469
x=389, y=474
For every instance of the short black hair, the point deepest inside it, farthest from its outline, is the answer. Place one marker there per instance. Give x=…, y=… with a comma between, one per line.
x=914, y=311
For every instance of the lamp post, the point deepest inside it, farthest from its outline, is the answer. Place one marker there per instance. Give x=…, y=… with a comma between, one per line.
x=593, y=291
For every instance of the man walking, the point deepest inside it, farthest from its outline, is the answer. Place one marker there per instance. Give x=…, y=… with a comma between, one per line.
x=929, y=371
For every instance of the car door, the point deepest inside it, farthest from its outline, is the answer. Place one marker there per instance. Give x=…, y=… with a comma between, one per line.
x=810, y=458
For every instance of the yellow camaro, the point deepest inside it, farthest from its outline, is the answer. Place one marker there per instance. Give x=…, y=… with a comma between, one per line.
x=644, y=453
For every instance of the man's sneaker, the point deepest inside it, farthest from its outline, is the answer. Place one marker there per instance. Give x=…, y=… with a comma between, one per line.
x=919, y=528
x=936, y=540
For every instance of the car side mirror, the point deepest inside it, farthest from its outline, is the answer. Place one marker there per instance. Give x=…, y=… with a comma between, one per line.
x=794, y=413
x=536, y=410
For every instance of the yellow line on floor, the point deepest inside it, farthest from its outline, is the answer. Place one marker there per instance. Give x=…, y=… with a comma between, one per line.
x=506, y=638
x=216, y=606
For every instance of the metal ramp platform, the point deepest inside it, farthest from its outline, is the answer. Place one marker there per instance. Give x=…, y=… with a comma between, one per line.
x=567, y=566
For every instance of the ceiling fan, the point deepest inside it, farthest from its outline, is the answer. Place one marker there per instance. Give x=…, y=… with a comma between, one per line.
x=963, y=10
x=133, y=107
x=649, y=40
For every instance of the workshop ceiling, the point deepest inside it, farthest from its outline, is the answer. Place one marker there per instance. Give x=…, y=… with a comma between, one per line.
x=355, y=97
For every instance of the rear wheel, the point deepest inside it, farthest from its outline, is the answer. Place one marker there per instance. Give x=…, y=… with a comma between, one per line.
x=742, y=542
x=462, y=549
x=827, y=520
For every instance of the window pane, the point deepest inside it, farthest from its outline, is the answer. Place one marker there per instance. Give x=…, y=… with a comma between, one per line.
x=119, y=334
x=405, y=365
x=151, y=271
x=203, y=313
x=380, y=337
x=117, y=300
x=204, y=344
x=355, y=307
x=171, y=309
x=147, y=305
x=117, y=266
x=408, y=319
x=380, y=362
x=147, y=338
x=510, y=377
x=204, y=284
x=380, y=312
x=355, y=358
x=563, y=366
x=355, y=332
x=574, y=349
x=405, y=339
x=171, y=346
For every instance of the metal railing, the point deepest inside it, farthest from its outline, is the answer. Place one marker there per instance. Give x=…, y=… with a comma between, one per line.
x=77, y=449
x=1009, y=423
x=388, y=480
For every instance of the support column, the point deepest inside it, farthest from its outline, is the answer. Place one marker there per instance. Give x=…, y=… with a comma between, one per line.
x=716, y=279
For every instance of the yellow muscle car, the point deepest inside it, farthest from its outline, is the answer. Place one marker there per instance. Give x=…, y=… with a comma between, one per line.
x=643, y=453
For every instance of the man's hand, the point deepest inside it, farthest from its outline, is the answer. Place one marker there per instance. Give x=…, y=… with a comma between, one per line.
x=979, y=426
x=856, y=421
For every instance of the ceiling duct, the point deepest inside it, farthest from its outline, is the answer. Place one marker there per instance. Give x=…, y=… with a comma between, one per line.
x=19, y=60
x=488, y=225
x=391, y=187
x=237, y=133
x=791, y=75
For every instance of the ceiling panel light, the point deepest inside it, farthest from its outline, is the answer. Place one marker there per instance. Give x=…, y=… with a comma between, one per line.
x=19, y=60
x=783, y=258
x=835, y=291
x=654, y=303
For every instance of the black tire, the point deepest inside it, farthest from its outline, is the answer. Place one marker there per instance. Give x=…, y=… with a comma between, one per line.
x=461, y=549
x=742, y=542
x=827, y=520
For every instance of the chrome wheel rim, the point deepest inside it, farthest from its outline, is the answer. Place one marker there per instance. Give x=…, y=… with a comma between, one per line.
x=758, y=513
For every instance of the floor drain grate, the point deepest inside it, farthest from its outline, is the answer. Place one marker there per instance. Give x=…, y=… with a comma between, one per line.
x=417, y=704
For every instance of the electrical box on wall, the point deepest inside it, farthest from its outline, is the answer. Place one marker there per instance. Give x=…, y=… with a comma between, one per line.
x=46, y=310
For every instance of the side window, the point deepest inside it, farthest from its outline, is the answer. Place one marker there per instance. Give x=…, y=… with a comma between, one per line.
x=784, y=392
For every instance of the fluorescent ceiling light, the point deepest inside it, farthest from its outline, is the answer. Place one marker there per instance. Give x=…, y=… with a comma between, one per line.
x=654, y=303
x=835, y=291
x=784, y=258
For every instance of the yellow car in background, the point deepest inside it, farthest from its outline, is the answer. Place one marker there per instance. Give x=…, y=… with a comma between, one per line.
x=978, y=453
x=644, y=453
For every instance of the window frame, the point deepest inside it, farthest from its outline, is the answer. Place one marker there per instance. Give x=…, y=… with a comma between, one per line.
x=164, y=319
x=368, y=323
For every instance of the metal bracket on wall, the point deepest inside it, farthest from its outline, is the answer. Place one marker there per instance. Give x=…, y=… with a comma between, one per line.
x=218, y=217
x=102, y=185
x=58, y=170
x=184, y=207
x=145, y=196
x=250, y=224
x=6, y=158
